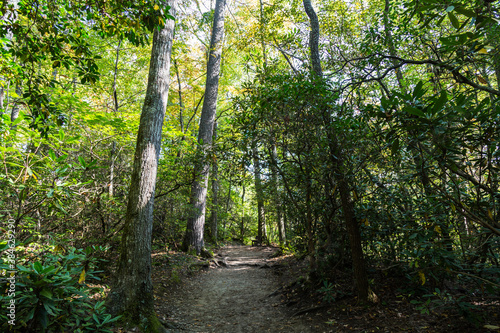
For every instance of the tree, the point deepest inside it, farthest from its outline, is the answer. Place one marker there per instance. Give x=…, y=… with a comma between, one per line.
x=132, y=293
x=360, y=276
x=193, y=238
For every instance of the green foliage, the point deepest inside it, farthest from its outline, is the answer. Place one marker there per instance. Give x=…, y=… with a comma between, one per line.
x=52, y=293
x=329, y=291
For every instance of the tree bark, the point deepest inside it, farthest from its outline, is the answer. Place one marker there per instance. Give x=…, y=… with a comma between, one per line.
x=115, y=109
x=132, y=293
x=242, y=226
x=193, y=238
x=261, y=231
x=277, y=198
x=313, y=38
x=215, y=193
x=390, y=43
x=14, y=114
x=358, y=262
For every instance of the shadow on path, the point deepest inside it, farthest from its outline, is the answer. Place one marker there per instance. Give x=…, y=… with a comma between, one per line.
x=237, y=298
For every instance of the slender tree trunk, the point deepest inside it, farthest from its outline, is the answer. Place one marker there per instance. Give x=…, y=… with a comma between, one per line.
x=261, y=232
x=277, y=198
x=390, y=42
x=309, y=224
x=215, y=193
x=115, y=97
x=242, y=227
x=181, y=106
x=112, y=159
x=2, y=96
x=111, y=189
x=313, y=38
x=359, y=269
x=262, y=33
x=14, y=114
x=196, y=222
x=132, y=293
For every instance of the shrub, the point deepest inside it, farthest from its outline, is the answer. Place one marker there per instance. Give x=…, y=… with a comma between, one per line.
x=51, y=294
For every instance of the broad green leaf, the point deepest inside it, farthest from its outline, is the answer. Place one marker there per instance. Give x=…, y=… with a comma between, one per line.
x=465, y=12
x=414, y=111
x=52, y=155
x=62, y=158
x=440, y=102
x=418, y=91
x=82, y=161
x=454, y=20
x=37, y=266
x=46, y=293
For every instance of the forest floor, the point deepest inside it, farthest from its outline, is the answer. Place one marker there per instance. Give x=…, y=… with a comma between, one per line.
x=238, y=294
x=255, y=289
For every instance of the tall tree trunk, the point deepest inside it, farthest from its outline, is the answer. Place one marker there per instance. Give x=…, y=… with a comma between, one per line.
x=112, y=158
x=14, y=114
x=277, y=198
x=181, y=107
x=242, y=226
x=390, y=42
x=358, y=261
x=196, y=222
x=132, y=293
x=2, y=96
x=215, y=193
x=261, y=231
x=313, y=38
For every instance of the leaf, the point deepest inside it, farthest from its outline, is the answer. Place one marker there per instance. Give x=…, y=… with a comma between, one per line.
x=483, y=51
x=37, y=266
x=465, y=12
x=59, y=249
x=491, y=327
x=414, y=111
x=52, y=155
x=46, y=293
x=395, y=147
x=82, y=277
x=421, y=275
x=441, y=101
x=82, y=161
x=482, y=79
x=418, y=91
x=453, y=20
x=62, y=158
x=450, y=8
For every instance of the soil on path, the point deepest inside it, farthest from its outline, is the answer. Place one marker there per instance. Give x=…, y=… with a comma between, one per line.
x=239, y=296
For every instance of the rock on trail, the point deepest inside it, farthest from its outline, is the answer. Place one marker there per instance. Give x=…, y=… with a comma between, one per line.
x=237, y=298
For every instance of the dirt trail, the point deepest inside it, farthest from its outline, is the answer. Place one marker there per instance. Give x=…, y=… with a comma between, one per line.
x=236, y=298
